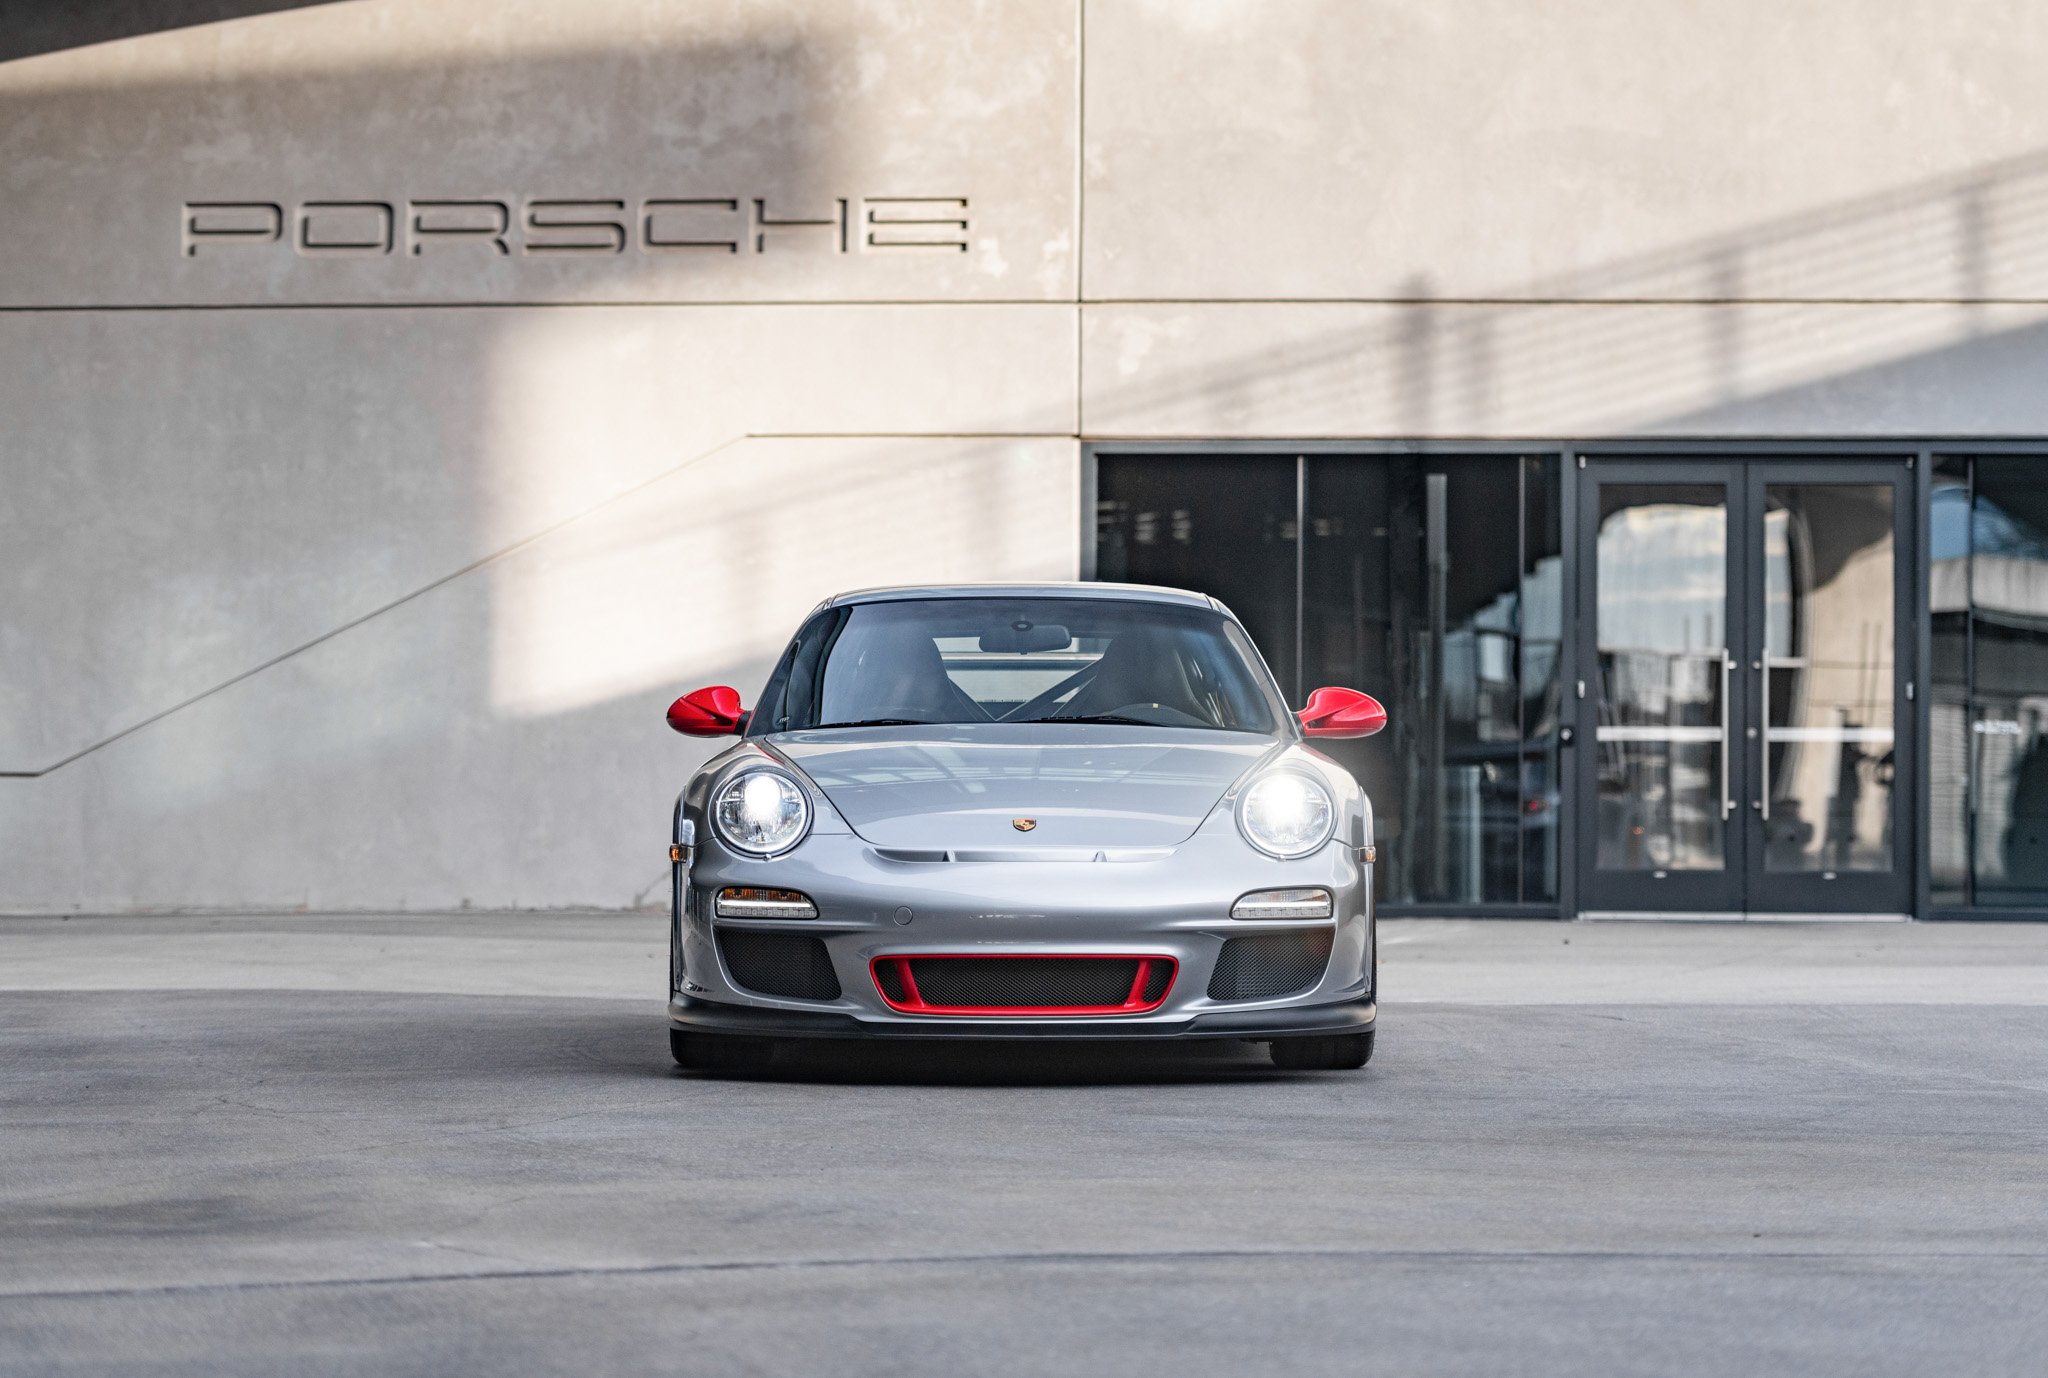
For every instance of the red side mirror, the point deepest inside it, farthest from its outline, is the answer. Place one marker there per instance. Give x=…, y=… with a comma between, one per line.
x=1334, y=712
x=713, y=712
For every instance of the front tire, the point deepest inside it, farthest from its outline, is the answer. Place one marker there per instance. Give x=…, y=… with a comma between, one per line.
x=1336, y=1053
x=703, y=1052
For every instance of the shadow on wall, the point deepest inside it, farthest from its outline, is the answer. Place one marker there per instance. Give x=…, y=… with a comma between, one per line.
x=402, y=590
x=1760, y=332
x=331, y=599
x=270, y=477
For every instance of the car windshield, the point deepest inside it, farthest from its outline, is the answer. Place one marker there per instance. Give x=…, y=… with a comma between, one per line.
x=1019, y=660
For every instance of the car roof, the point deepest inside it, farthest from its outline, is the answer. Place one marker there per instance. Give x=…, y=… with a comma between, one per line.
x=1137, y=593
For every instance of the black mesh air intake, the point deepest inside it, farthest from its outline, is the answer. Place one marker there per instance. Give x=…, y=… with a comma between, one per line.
x=1269, y=965
x=1014, y=982
x=792, y=965
x=1156, y=982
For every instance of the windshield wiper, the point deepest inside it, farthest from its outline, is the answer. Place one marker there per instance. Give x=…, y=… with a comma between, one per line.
x=880, y=722
x=1116, y=718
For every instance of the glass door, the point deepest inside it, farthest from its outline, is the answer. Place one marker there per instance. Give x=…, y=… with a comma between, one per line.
x=1742, y=708
x=1830, y=804
x=1659, y=767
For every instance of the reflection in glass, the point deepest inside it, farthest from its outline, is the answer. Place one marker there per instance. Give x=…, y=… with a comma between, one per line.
x=1433, y=582
x=2008, y=654
x=1540, y=690
x=1661, y=590
x=1221, y=524
x=1828, y=636
x=1948, y=708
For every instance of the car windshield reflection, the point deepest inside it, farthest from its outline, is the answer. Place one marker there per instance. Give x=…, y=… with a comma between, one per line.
x=950, y=661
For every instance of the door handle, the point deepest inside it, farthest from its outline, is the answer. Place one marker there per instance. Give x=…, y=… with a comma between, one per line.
x=1763, y=705
x=1727, y=734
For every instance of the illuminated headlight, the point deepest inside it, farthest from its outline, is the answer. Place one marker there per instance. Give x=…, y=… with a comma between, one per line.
x=761, y=812
x=1286, y=814
x=1308, y=903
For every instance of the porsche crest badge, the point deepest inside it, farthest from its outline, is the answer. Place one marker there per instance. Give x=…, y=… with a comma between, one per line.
x=1023, y=825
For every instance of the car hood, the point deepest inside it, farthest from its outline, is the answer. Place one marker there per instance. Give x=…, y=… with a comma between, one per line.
x=963, y=787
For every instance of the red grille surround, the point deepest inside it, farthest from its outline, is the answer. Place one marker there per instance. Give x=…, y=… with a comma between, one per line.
x=1150, y=982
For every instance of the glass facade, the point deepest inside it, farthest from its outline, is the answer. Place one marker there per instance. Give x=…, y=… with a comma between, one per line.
x=1230, y=535
x=1988, y=599
x=1437, y=583
x=1433, y=583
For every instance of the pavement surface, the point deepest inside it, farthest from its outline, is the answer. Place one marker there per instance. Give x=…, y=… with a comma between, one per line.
x=455, y=1144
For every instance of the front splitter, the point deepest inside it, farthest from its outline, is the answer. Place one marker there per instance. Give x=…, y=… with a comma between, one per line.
x=707, y=1016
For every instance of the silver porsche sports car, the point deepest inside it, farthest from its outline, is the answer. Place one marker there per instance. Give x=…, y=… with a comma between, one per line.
x=1022, y=811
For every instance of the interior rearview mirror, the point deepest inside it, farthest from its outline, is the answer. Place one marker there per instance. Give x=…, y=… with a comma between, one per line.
x=1024, y=638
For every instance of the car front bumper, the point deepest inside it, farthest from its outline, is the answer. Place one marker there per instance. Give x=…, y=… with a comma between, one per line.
x=1175, y=906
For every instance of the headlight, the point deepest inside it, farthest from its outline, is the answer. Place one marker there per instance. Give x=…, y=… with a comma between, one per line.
x=761, y=812
x=1286, y=814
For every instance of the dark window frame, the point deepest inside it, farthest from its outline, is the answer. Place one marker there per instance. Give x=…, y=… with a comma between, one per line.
x=1922, y=451
x=1967, y=454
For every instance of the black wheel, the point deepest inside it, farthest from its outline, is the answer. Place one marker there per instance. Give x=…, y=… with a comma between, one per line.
x=702, y=1052
x=1339, y=1052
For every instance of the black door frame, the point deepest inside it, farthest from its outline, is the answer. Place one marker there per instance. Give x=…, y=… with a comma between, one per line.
x=1743, y=886
x=1675, y=891
x=1851, y=893
x=1917, y=452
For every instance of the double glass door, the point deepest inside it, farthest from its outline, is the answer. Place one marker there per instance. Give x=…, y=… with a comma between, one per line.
x=1743, y=722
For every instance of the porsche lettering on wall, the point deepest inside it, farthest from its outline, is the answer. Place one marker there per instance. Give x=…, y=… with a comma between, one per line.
x=509, y=226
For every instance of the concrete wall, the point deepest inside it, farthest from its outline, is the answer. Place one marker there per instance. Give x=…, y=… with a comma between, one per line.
x=401, y=400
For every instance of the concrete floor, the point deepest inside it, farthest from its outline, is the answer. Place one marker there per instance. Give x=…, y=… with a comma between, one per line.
x=443, y=1145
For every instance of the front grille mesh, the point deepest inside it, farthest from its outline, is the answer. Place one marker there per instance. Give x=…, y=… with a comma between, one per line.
x=1268, y=965
x=794, y=966
x=1016, y=982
